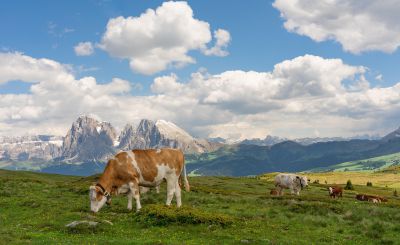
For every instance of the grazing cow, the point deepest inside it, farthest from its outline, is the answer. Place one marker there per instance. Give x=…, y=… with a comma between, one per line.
x=128, y=170
x=335, y=191
x=370, y=198
x=290, y=181
x=273, y=192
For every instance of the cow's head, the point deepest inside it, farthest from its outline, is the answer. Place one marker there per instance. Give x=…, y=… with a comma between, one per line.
x=330, y=189
x=97, y=198
x=302, y=180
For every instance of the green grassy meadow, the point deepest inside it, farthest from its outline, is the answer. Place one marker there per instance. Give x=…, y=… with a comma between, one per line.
x=367, y=165
x=35, y=208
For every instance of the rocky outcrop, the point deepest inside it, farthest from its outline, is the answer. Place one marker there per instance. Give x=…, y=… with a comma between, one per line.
x=161, y=133
x=30, y=148
x=127, y=137
x=89, y=140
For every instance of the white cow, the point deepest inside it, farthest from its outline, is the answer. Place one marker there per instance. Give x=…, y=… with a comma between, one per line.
x=290, y=181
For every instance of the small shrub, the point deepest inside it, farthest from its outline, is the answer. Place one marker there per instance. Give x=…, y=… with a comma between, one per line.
x=369, y=183
x=395, y=193
x=349, y=185
x=316, y=181
x=163, y=215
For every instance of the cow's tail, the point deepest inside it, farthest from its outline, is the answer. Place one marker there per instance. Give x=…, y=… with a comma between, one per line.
x=185, y=179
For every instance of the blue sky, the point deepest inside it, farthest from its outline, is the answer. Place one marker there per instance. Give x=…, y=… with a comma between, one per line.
x=259, y=40
x=51, y=29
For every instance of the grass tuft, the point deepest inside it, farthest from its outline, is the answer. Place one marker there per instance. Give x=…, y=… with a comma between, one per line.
x=161, y=215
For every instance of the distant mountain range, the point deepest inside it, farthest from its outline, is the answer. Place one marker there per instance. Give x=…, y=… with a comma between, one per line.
x=290, y=156
x=89, y=143
x=272, y=140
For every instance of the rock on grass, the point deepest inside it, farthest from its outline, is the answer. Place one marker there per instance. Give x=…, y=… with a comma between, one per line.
x=85, y=226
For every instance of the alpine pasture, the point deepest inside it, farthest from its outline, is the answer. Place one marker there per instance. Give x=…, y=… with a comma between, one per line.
x=35, y=208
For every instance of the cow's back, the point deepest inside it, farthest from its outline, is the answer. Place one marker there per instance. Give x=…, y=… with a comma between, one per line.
x=284, y=179
x=126, y=166
x=150, y=161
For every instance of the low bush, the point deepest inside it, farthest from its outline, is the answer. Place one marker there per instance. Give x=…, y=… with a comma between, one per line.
x=163, y=215
x=369, y=183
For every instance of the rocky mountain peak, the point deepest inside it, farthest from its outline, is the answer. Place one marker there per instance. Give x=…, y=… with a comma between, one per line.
x=89, y=139
x=172, y=131
x=127, y=137
x=161, y=133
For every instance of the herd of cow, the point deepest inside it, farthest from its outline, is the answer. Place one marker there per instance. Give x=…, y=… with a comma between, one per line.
x=295, y=183
x=134, y=172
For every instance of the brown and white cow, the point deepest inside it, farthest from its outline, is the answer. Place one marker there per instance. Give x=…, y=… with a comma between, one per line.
x=274, y=192
x=370, y=198
x=335, y=191
x=128, y=170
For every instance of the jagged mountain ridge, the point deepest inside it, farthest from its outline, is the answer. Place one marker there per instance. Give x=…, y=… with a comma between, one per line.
x=91, y=140
x=161, y=133
x=88, y=139
x=30, y=148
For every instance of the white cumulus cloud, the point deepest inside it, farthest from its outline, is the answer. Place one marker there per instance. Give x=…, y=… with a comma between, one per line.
x=297, y=98
x=222, y=37
x=161, y=38
x=358, y=26
x=84, y=49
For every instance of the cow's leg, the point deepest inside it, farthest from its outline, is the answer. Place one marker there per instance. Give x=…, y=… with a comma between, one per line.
x=157, y=189
x=171, y=184
x=292, y=191
x=134, y=187
x=130, y=196
x=178, y=194
x=143, y=189
x=279, y=190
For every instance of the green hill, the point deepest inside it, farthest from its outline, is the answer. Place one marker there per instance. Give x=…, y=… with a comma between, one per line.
x=289, y=156
x=371, y=164
x=35, y=208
